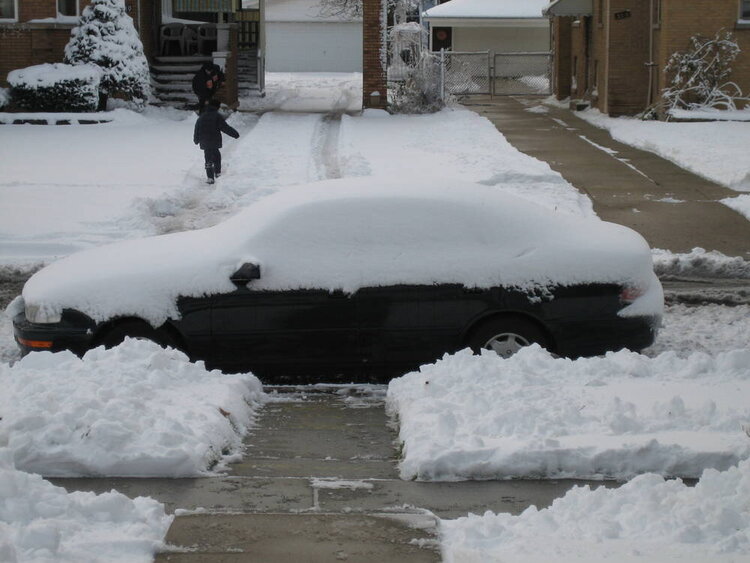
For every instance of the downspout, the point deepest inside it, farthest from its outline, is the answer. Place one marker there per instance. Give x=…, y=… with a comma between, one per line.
x=650, y=64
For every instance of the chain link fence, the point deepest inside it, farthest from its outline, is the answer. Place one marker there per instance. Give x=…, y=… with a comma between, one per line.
x=521, y=73
x=466, y=73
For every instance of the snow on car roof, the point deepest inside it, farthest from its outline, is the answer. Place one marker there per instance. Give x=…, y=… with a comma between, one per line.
x=347, y=234
x=488, y=9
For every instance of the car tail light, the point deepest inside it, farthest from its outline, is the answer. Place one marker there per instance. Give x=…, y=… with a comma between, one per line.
x=630, y=293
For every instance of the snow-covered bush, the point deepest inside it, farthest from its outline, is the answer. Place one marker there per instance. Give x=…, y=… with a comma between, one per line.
x=700, y=75
x=106, y=37
x=413, y=72
x=56, y=87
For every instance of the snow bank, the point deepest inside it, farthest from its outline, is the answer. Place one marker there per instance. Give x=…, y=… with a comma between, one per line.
x=136, y=410
x=320, y=92
x=43, y=523
x=647, y=519
x=348, y=234
x=699, y=263
x=482, y=417
x=714, y=150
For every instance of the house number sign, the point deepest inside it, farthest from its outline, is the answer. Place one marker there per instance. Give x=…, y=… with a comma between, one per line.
x=622, y=15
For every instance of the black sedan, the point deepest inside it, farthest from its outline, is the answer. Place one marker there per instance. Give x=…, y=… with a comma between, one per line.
x=351, y=280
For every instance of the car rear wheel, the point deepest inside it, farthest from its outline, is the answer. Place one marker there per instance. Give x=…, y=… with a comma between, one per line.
x=507, y=335
x=136, y=329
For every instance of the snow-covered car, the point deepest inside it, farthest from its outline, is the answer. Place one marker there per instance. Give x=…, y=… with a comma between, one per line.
x=359, y=278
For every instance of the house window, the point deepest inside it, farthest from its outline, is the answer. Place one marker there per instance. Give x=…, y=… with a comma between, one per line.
x=745, y=10
x=8, y=10
x=67, y=7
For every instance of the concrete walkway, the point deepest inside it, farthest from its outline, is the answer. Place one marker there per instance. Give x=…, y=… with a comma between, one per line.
x=624, y=183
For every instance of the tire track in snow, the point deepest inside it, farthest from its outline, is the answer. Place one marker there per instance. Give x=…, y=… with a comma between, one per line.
x=326, y=147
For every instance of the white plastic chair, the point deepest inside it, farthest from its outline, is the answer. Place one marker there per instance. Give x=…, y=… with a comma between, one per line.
x=206, y=34
x=171, y=33
x=189, y=41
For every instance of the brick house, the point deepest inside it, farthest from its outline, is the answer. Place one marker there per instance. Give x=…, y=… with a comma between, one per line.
x=36, y=31
x=612, y=53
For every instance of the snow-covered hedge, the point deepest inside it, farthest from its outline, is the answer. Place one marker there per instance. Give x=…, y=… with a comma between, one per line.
x=56, y=87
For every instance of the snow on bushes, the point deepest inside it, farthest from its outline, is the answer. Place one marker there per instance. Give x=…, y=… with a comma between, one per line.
x=136, y=410
x=533, y=415
x=107, y=38
x=647, y=519
x=43, y=523
x=56, y=87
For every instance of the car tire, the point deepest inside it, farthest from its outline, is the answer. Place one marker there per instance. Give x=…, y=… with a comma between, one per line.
x=507, y=335
x=135, y=329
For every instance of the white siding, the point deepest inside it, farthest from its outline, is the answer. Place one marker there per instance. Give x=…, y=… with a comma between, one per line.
x=501, y=39
x=313, y=47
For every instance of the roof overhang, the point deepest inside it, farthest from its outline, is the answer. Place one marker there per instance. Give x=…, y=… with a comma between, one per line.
x=569, y=8
x=486, y=22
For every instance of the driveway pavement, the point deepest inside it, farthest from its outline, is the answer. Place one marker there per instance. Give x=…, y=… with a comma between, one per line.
x=627, y=186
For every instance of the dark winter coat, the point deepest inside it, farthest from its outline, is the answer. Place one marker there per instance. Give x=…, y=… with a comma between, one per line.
x=209, y=127
x=207, y=72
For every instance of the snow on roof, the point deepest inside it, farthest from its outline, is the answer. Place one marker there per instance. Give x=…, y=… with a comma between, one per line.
x=347, y=234
x=490, y=9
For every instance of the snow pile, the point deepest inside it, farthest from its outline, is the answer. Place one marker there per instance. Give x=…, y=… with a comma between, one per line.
x=647, y=519
x=43, y=523
x=699, y=263
x=483, y=417
x=741, y=204
x=454, y=142
x=714, y=150
x=488, y=9
x=136, y=410
x=347, y=234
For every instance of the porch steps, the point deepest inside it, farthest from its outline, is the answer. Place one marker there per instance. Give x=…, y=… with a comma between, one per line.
x=172, y=79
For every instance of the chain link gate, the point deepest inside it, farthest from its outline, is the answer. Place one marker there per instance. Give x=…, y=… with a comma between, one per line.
x=521, y=73
x=466, y=73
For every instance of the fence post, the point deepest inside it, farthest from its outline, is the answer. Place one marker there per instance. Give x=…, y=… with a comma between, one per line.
x=442, y=74
x=490, y=72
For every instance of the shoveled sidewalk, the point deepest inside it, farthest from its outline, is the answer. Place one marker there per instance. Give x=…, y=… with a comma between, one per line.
x=627, y=186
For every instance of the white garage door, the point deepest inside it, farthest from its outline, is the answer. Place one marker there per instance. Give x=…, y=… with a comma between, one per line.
x=313, y=47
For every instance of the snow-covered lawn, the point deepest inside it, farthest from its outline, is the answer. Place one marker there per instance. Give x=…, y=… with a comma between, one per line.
x=716, y=150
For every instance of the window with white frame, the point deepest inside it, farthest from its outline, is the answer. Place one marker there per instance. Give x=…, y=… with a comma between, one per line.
x=8, y=10
x=745, y=9
x=67, y=7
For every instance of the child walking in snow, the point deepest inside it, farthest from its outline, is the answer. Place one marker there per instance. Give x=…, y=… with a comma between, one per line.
x=208, y=130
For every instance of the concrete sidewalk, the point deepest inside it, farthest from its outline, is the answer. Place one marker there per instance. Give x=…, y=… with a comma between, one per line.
x=627, y=185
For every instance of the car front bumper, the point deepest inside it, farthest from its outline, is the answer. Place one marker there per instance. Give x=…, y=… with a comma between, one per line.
x=75, y=335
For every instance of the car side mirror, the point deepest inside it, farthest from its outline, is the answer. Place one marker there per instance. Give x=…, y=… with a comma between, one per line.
x=246, y=273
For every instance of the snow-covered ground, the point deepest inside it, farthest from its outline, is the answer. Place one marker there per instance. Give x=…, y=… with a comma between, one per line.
x=713, y=149
x=647, y=520
x=45, y=524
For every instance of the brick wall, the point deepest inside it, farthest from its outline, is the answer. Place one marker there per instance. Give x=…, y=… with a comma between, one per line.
x=373, y=67
x=627, y=80
x=705, y=17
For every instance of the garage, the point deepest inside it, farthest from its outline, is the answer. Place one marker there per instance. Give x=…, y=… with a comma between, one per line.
x=300, y=39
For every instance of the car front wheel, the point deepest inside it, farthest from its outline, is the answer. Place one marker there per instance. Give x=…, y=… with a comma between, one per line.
x=506, y=336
